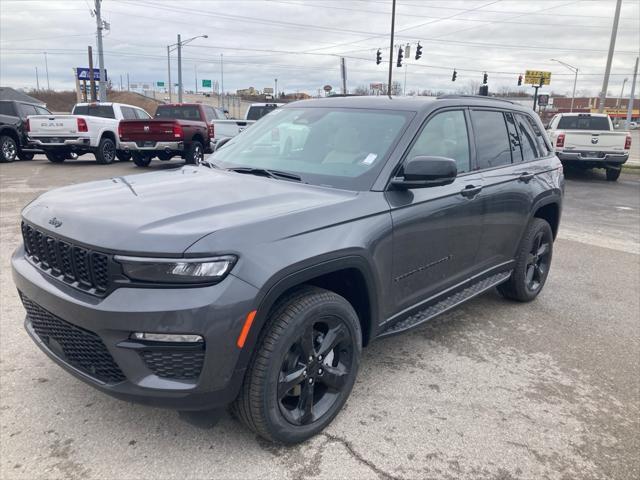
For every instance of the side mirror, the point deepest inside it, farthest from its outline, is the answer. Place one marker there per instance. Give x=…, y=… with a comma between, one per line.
x=220, y=143
x=422, y=172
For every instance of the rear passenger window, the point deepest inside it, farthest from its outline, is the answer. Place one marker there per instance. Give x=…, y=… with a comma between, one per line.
x=492, y=139
x=530, y=147
x=541, y=137
x=514, y=139
x=128, y=113
x=141, y=114
x=445, y=136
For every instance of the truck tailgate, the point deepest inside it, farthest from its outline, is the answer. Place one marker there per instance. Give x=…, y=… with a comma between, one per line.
x=147, y=130
x=596, y=141
x=52, y=125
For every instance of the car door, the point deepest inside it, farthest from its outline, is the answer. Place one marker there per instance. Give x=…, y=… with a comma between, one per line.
x=436, y=230
x=506, y=196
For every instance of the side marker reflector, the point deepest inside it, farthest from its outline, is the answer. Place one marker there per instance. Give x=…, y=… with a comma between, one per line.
x=245, y=329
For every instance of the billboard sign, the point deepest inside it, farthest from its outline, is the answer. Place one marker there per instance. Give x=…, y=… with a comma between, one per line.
x=532, y=77
x=83, y=74
x=267, y=90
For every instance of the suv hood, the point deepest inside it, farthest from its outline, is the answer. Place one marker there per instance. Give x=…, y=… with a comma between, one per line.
x=166, y=212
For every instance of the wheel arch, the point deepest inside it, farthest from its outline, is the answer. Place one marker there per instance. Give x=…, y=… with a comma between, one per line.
x=110, y=135
x=11, y=132
x=350, y=277
x=549, y=209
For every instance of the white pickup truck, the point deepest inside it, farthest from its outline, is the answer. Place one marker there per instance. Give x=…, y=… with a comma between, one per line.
x=223, y=127
x=90, y=128
x=588, y=140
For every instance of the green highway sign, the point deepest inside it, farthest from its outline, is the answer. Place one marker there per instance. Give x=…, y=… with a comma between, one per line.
x=206, y=83
x=159, y=84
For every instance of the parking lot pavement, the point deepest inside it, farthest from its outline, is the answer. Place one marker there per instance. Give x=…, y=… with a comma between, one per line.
x=491, y=390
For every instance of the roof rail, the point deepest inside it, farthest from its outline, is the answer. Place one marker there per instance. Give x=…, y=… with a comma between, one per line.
x=479, y=97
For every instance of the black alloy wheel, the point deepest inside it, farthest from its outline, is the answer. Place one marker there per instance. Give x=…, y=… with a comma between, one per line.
x=538, y=262
x=314, y=371
x=106, y=153
x=8, y=149
x=303, y=366
x=532, y=263
x=195, y=155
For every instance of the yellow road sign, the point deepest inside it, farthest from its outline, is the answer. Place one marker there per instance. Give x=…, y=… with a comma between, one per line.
x=533, y=77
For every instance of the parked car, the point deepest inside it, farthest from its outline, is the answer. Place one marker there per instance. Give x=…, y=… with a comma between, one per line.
x=224, y=127
x=258, y=110
x=90, y=128
x=176, y=130
x=588, y=140
x=14, y=143
x=256, y=282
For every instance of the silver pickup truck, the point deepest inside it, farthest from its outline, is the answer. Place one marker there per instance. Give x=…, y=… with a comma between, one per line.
x=588, y=140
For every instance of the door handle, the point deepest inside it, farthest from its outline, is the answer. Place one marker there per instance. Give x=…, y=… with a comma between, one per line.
x=526, y=177
x=470, y=191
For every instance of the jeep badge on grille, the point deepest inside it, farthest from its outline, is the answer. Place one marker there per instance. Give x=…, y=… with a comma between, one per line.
x=55, y=222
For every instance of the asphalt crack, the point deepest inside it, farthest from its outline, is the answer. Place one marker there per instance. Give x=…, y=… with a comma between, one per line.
x=349, y=447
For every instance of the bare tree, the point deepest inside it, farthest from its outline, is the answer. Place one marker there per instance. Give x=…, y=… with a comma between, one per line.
x=396, y=88
x=361, y=90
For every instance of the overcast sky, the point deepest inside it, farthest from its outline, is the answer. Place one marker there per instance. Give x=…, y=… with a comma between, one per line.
x=300, y=42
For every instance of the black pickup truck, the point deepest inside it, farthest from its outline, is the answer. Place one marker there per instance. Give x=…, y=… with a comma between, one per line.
x=14, y=143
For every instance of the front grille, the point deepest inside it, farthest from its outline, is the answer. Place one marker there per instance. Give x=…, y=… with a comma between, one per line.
x=176, y=364
x=74, y=345
x=81, y=267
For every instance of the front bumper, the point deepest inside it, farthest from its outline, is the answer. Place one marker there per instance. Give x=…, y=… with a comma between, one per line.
x=216, y=312
x=605, y=158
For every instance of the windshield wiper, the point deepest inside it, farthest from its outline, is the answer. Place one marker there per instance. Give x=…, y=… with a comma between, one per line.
x=210, y=164
x=277, y=174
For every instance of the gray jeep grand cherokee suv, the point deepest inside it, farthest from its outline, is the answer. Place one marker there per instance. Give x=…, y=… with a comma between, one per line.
x=256, y=278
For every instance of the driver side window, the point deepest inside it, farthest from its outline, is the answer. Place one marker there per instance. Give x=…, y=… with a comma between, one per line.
x=444, y=136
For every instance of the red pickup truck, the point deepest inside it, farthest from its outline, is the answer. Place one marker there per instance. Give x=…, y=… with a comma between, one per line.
x=176, y=130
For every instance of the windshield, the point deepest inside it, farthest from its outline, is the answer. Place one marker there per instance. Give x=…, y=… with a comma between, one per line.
x=257, y=112
x=583, y=123
x=342, y=148
x=104, y=111
x=184, y=112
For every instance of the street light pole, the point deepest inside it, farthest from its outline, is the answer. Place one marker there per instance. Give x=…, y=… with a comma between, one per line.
x=393, y=22
x=612, y=46
x=632, y=95
x=222, y=81
x=37, y=81
x=46, y=66
x=169, y=71
x=575, y=79
x=621, y=93
x=179, y=70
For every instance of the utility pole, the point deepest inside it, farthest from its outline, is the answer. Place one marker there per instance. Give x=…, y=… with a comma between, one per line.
x=103, y=77
x=612, y=46
x=222, y=81
x=624, y=82
x=120, y=82
x=632, y=95
x=407, y=54
x=276, y=90
x=169, y=72
x=179, y=70
x=195, y=69
x=92, y=80
x=127, y=81
x=393, y=22
x=37, y=80
x=343, y=73
x=46, y=66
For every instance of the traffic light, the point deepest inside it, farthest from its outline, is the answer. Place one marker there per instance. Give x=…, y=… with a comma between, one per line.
x=400, y=57
x=519, y=80
x=418, y=51
x=485, y=77
x=454, y=76
x=378, y=57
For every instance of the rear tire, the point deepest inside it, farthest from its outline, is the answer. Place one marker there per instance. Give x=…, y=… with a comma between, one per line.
x=164, y=156
x=303, y=367
x=141, y=159
x=106, y=152
x=123, y=156
x=613, y=174
x=533, y=262
x=195, y=153
x=56, y=157
x=8, y=149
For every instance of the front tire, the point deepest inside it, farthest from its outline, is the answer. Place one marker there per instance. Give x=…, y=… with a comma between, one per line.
x=304, y=367
x=8, y=149
x=141, y=159
x=613, y=174
x=106, y=152
x=195, y=154
x=533, y=262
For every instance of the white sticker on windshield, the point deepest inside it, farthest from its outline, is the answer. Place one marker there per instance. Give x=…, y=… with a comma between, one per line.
x=369, y=159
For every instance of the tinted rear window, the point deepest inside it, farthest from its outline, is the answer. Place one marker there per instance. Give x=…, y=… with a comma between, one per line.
x=583, y=123
x=256, y=113
x=6, y=108
x=183, y=112
x=104, y=111
x=492, y=139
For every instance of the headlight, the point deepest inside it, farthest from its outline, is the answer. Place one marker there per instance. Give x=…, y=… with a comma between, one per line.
x=170, y=270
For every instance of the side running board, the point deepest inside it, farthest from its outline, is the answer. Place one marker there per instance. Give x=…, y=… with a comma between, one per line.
x=446, y=304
